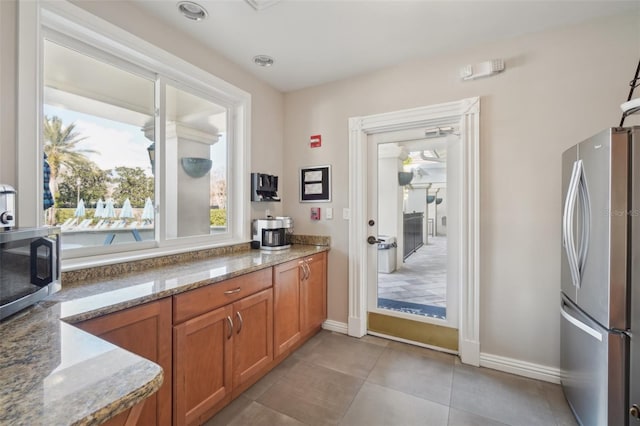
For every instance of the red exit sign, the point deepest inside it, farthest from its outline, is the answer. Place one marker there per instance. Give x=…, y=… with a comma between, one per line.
x=315, y=141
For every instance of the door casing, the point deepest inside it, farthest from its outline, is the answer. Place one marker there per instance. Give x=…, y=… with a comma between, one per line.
x=466, y=113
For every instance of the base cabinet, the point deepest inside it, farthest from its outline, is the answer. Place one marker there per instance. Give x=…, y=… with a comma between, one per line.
x=300, y=300
x=218, y=351
x=146, y=331
x=202, y=364
x=253, y=338
x=215, y=341
x=287, y=324
x=313, y=292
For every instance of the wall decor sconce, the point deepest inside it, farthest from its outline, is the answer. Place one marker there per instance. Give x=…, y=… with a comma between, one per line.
x=405, y=178
x=196, y=167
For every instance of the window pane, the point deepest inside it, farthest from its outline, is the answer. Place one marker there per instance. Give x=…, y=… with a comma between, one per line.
x=196, y=152
x=97, y=130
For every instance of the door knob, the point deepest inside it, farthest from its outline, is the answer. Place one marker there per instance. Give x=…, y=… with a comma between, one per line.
x=635, y=412
x=373, y=240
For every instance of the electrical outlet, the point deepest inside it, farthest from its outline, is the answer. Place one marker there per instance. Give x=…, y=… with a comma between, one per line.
x=267, y=213
x=346, y=214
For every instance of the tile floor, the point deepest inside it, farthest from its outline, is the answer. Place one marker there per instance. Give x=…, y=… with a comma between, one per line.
x=421, y=279
x=339, y=380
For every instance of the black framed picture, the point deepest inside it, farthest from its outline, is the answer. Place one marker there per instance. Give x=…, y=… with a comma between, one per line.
x=315, y=184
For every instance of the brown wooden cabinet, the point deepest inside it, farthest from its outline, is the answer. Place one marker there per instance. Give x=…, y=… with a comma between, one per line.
x=146, y=331
x=202, y=364
x=287, y=322
x=313, y=292
x=222, y=349
x=225, y=336
x=253, y=338
x=300, y=300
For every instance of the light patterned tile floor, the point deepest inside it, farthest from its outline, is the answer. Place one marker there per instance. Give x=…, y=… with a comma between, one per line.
x=422, y=278
x=394, y=385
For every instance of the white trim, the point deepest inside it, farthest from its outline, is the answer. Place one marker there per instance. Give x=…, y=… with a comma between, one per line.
x=338, y=327
x=520, y=368
x=467, y=113
x=29, y=116
x=67, y=20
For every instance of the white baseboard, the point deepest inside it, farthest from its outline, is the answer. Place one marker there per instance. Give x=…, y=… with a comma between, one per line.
x=338, y=327
x=520, y=368
x=469, y=351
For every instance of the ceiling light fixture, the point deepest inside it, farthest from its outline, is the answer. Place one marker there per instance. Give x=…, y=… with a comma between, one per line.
x=193, y=11
x=263, y=60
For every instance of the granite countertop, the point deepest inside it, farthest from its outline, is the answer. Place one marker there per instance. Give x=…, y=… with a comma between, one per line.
x=52, y=373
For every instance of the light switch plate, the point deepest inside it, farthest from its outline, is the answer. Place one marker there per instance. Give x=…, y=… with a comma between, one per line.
x=328, y=212
x=346, y=214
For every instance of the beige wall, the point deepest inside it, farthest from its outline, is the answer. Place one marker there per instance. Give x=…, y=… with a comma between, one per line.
x=559, y=88
x=267, y=103
x=7, y=92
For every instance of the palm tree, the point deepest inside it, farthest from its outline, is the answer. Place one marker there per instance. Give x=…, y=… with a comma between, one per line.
x=61, y=147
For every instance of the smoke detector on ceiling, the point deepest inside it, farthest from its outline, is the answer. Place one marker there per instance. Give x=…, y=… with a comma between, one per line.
x=261, y=4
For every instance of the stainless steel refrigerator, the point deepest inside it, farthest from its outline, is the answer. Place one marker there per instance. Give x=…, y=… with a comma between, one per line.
x=600, y=297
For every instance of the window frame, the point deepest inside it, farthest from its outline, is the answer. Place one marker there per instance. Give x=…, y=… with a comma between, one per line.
x=74, y=27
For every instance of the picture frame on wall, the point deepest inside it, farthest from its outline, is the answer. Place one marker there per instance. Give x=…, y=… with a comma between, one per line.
x=315, y=184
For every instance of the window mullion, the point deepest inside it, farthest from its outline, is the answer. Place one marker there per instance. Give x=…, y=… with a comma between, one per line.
x=160, y=163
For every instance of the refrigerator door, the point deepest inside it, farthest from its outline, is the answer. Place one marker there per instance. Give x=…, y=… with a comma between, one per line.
x=602, y=291
x=593, y=366
x=569, y=159
x=634, y=376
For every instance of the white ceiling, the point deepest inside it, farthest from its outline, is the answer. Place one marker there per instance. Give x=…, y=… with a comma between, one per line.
x=317, y=41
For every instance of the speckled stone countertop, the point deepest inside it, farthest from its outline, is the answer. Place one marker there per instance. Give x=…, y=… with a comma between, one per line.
x=52, y=373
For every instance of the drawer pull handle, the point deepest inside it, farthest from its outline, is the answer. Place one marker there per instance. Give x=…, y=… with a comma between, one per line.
x=240, y=322
x=234, y=291
x=230, y=322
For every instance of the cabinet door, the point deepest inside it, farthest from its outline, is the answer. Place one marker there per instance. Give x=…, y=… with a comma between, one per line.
x=146, y=331
x=253, y=336
x=202, y=364
x=287, y=324
x=314, y=292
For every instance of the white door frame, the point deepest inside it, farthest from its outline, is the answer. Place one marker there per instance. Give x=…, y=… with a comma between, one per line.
x=467, y=113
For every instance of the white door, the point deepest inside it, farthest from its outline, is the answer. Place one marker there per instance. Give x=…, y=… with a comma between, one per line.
x=413, y=222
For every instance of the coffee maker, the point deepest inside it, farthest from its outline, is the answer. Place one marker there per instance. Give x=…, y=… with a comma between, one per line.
x=273, y=233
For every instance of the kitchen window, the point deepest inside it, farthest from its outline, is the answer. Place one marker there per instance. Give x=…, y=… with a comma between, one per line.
x=144, y=151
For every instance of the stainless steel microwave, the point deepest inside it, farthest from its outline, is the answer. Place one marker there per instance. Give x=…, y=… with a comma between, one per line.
x=29, y=267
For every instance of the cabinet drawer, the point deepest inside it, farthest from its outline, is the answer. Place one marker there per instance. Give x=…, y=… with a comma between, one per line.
x=195, y=302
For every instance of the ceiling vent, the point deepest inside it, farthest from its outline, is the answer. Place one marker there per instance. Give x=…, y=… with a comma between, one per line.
x=261, y=4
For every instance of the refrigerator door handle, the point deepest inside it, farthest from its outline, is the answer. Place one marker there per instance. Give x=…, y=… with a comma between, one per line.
x=567, y=223
x=582, y=326
x=585, y=210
